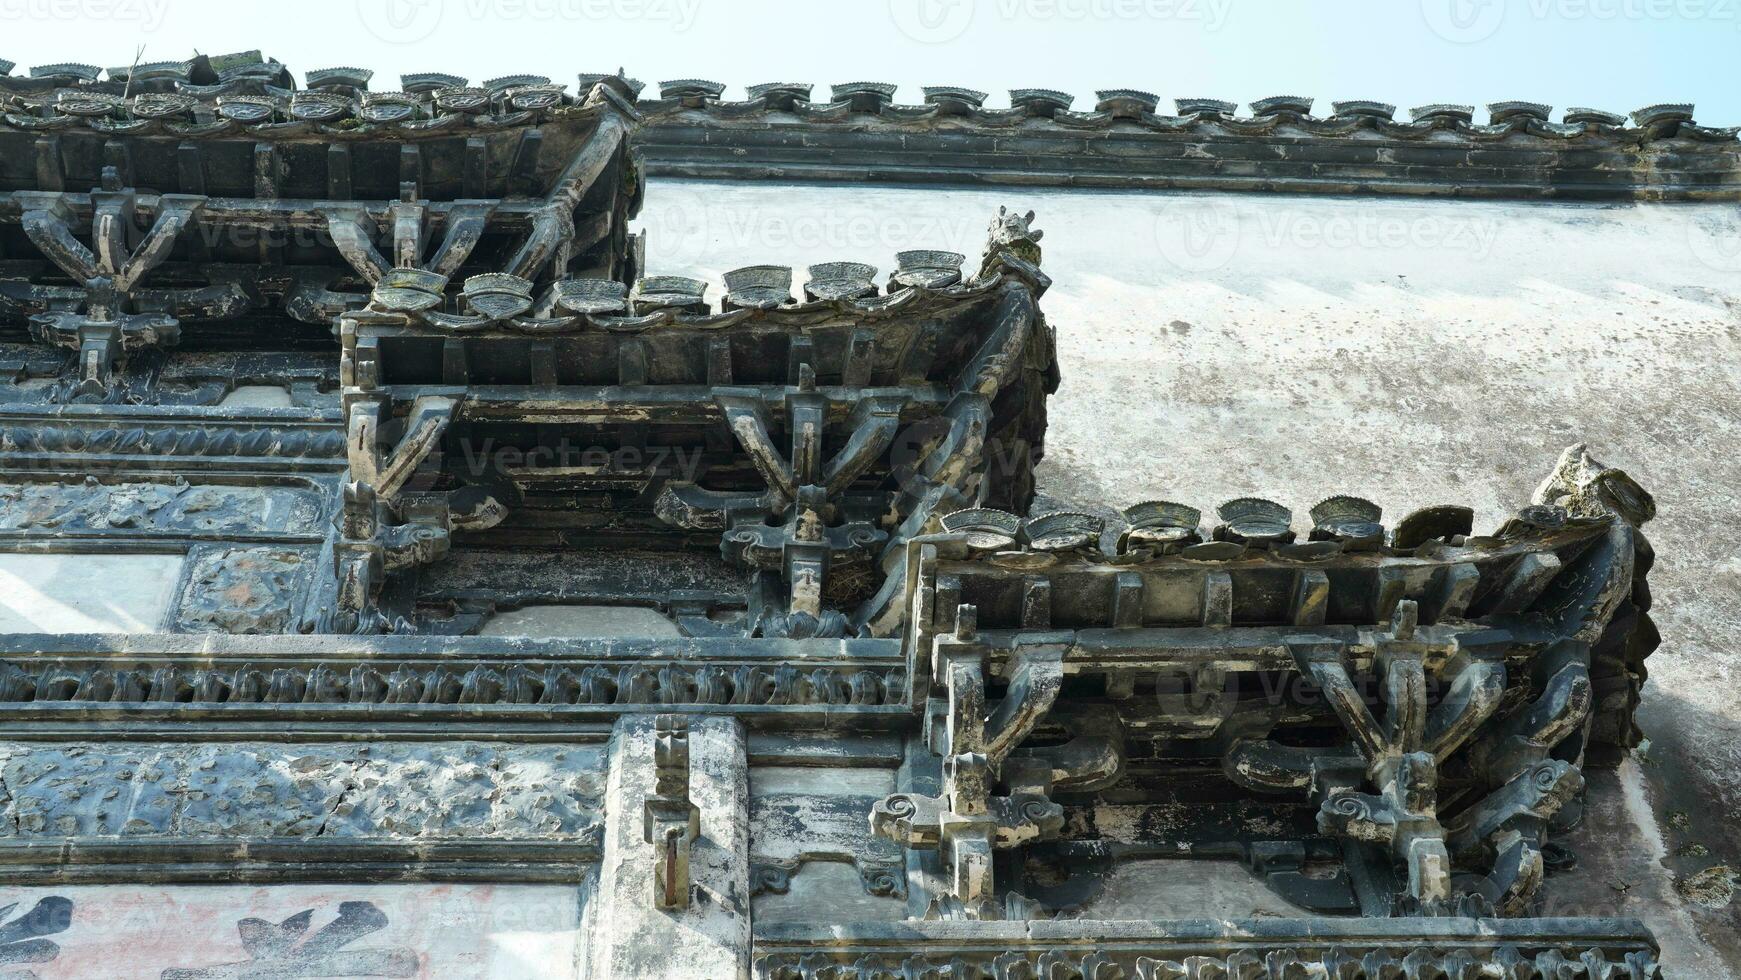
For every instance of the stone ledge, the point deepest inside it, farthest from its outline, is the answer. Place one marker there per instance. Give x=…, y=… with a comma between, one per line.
x=1250, y=948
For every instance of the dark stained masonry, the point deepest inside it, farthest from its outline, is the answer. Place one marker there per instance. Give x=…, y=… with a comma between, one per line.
x=818, y=489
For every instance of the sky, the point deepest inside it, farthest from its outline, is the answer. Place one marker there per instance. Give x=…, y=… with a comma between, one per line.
x=1617, y=55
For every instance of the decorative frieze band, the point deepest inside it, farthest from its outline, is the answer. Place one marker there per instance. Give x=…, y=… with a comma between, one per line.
x=1250, y=949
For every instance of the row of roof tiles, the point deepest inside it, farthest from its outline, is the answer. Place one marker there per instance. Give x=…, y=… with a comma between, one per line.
x=1246, y=526
x=257, y=86
x=757, y=287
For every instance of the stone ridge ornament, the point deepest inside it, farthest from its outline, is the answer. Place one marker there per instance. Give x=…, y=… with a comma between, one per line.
x=586, y=296
x=865, y=132
x=928, y=268
x=1352, y=521
x=1254, y=521
x=759, y=287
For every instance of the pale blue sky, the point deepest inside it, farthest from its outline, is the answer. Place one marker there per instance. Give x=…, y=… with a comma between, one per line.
x=1608, y=54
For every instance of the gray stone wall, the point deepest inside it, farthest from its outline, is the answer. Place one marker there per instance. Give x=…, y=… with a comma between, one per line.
x=264, y=790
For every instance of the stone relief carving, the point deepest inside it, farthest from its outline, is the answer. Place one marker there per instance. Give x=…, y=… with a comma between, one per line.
x=1279, y=964
x=173, y=436
x=159, y=507
x=393, y=791
x=652, y=681
x=821, y=819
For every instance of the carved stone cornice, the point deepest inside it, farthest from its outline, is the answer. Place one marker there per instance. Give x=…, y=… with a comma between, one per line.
x=1125, y=141
x=85, y=437
x=225, y=860
x=859, y=131
x=155, y=679
x=1257, y=949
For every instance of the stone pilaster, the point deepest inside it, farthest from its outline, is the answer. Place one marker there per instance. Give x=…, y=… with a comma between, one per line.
x=630, y=936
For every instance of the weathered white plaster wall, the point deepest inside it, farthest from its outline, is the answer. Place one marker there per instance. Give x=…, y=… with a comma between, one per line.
x=86, y=593
x=257, y=396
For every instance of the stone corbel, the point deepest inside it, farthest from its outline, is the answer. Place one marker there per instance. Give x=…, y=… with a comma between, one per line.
x=377, y=532
x=671, y=821
x=1036, y=678
x=370, y=544
x=1402, y=753
x=466, y=221
x=802, y=492
x=773, y=876
x=747, y=418
x=103, y=329
x=967, y=822
x=1093, y=759
x=1512, y=758
x=953, y=460
x=358, y=560
x=429, y=418
x=352, y=230
x=175, y=212
x=553, y=235
x=1383, y=790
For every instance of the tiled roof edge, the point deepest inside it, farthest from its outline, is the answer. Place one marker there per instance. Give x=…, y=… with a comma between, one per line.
x=1043, y=137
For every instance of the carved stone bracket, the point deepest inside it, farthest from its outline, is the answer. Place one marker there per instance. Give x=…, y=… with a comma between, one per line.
x=796, y=527
x=1512, y=760
x=99, y=318
x=1391, y=800
x=672, y=822
x=1403, y=750
x=970, y=819
x=773, y=876
x=377, y=531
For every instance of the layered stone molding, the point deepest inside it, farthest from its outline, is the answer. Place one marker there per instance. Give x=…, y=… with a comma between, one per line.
x=1264, y=950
